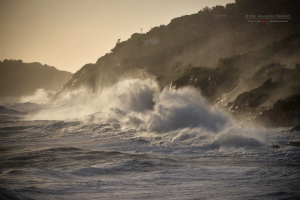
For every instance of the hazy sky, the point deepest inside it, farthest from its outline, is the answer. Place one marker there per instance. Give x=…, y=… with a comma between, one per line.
x=70, y=33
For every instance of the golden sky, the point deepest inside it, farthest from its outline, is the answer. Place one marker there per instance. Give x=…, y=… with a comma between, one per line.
x=70, y=33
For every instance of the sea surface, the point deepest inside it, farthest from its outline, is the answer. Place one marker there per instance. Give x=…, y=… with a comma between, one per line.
x=173, y=147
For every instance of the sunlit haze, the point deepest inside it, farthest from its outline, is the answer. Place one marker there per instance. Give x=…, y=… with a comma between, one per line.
x=70, y=33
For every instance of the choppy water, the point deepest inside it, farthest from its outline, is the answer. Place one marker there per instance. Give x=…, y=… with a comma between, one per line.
x=178, y=149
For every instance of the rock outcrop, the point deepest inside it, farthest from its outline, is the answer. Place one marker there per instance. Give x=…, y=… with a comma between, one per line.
x=296, y=128
x=283, y=113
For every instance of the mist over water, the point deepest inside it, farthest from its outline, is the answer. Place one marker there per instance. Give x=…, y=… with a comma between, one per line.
x=40, y=97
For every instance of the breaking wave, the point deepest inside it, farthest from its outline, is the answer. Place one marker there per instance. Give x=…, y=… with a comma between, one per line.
x=184, y=108
x=139, y=106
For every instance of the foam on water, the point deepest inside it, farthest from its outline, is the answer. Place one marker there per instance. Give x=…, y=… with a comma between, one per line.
x=85, y=158
x=133, y=141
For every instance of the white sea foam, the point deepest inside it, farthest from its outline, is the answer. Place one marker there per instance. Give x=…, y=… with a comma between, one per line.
x=184, y=108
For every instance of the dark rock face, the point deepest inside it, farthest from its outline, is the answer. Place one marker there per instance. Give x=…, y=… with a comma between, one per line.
x=296, y=128
x=211, y=81
x=249, y=102
x=294, y=143
x=21, y=79
x=280, y=82
x=283, y=113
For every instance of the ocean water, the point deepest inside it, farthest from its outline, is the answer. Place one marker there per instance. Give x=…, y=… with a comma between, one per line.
x=133, y=141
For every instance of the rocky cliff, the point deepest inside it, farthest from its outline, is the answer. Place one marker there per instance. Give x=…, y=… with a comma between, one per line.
x=241, y=65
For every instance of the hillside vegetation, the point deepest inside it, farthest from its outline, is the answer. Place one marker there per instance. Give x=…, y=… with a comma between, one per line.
x=243, y=66
x=19, y=79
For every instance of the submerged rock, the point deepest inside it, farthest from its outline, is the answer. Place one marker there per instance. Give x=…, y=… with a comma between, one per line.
x=294, y=143
x=275, y=146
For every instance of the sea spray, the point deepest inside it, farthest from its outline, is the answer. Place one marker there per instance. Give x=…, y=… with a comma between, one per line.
x=39, y=97
x=139, y=107
x=126, y=96
x=184, y=108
